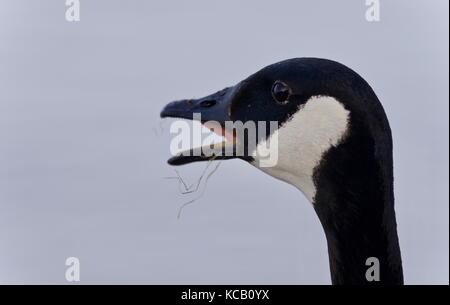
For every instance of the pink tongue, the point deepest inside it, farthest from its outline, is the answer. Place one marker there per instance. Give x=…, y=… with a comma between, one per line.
x=217, y=129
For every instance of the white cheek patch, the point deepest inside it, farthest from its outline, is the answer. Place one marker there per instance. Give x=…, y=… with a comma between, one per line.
x=318, y=125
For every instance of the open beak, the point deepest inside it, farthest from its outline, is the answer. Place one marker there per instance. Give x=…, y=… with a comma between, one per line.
x=212, y=111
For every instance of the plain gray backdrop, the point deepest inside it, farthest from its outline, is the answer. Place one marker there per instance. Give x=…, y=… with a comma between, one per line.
x=83, y=157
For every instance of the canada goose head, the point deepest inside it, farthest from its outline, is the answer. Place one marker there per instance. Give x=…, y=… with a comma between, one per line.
x=333, y=142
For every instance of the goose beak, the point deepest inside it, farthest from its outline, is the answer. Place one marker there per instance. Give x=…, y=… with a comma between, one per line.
x=212, y=111
x=214, y=107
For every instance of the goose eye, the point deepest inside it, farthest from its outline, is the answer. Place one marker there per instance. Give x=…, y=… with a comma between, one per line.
x=281, y=92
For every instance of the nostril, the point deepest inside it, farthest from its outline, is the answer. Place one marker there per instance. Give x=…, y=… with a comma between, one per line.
x=208, y=103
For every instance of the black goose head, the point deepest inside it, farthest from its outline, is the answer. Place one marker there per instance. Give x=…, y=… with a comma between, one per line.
x=316, y=104
x=332, y=141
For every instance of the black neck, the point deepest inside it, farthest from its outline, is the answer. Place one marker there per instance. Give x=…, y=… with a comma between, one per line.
x=355, y=204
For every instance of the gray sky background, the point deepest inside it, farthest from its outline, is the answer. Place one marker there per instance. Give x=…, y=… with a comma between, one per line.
x=81, y=169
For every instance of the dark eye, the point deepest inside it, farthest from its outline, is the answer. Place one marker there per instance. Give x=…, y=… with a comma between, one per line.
x=281, y=92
